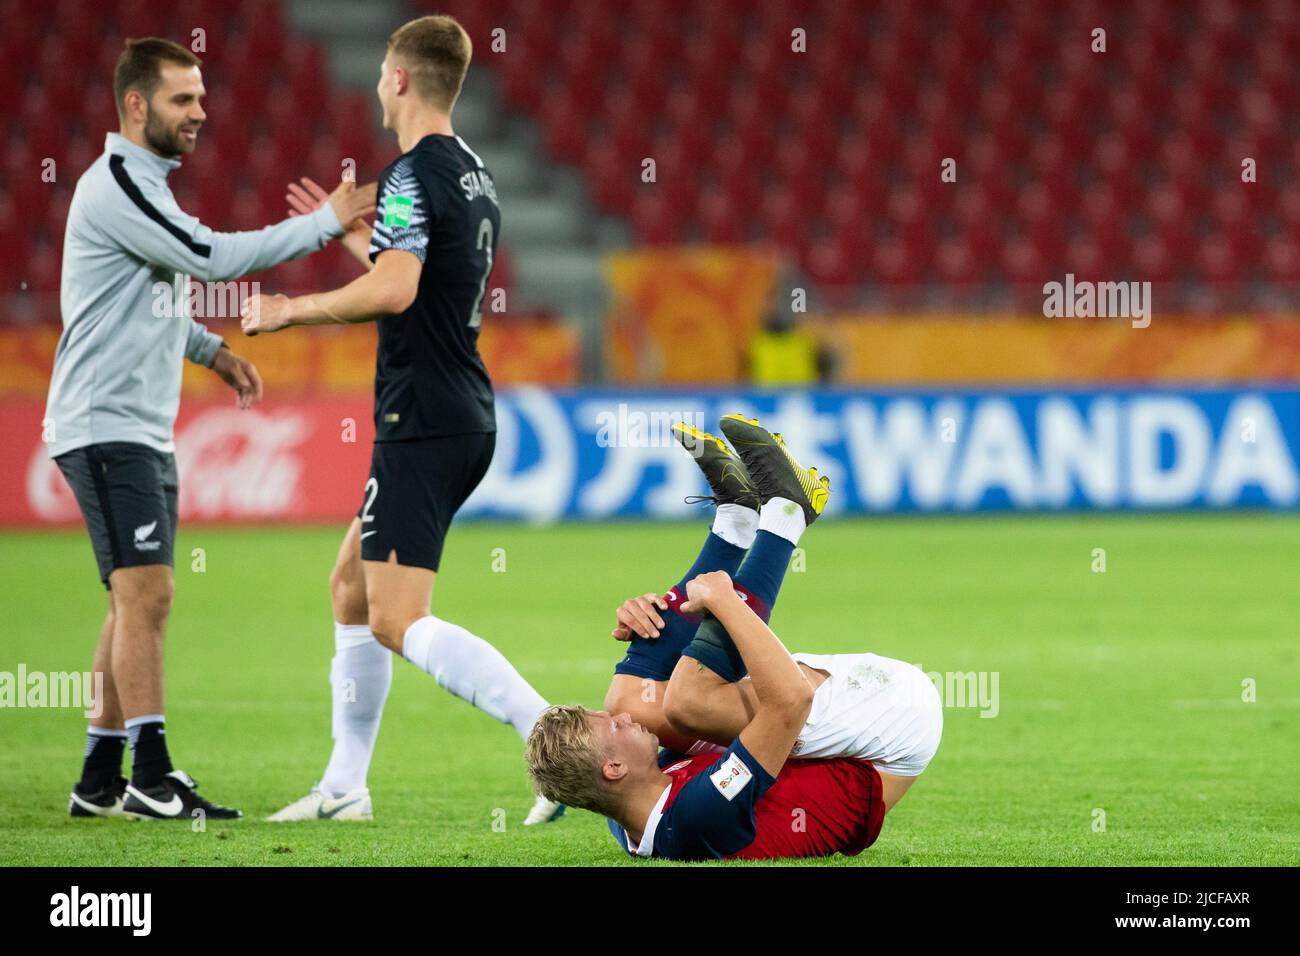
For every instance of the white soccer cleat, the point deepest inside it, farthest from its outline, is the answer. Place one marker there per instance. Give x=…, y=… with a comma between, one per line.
x=544, y=811
x=318, y=805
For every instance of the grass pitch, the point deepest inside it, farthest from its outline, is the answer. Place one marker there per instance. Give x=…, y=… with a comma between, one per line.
x=1121, y=734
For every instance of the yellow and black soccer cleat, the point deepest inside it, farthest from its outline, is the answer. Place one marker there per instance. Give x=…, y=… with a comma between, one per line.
x=773, y=469
x=723, y=469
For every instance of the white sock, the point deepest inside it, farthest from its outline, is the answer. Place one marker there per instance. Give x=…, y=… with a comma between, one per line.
x=736, y=525
x=133, y=725
x=783, y=518
x=360, y=675
x=473, y=670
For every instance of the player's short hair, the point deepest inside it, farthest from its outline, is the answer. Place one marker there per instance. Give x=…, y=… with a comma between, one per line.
x=436, y=51
x=564, y=761
x=139, y=66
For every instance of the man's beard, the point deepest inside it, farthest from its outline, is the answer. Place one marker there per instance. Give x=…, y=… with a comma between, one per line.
x=162, y=140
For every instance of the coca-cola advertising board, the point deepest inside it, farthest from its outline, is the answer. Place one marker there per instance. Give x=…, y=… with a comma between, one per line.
x=281, y=461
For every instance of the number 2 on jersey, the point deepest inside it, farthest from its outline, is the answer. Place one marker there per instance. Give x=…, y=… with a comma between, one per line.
x=485, y=244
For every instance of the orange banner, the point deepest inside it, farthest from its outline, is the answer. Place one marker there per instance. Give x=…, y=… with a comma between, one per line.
x=686, y=315
x=1000, y=350
x=336, y=360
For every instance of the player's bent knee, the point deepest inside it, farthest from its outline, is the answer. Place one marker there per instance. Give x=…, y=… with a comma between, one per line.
x=389, y=627
x=684, y=712
x=385, y=631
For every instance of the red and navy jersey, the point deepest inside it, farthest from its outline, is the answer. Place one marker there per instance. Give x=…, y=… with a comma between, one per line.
x=729, y=807
x=437, y=202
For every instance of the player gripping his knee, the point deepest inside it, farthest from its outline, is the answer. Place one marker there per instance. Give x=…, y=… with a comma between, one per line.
x=871, y=725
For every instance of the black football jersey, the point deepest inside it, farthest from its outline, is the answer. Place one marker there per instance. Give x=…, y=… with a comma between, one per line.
x=438, y=202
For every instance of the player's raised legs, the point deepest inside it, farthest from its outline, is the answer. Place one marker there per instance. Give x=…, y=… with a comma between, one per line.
x=656, y=631
x=704, y=698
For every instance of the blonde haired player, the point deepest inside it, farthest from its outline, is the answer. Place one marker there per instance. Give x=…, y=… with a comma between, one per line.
x=817, y=747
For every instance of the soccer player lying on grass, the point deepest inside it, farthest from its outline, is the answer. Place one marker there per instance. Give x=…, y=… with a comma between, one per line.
x=818, y=747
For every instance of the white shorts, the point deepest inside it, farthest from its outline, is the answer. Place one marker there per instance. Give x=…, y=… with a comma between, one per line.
x=873, y=708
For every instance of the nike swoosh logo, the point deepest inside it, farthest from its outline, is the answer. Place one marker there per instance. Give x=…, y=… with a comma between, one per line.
x=366, y=534
x=98, y=809
x=171, y=808
x=323, y=814
x=733, y=472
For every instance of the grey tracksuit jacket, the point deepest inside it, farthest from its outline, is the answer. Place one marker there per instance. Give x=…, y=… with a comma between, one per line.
x=127, y=252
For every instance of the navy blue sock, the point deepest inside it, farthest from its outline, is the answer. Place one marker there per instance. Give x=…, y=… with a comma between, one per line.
x=764, y=570
x=150, y=761
x=758, y=581
x=655, y=658
x=103, y=763
x=715, y=555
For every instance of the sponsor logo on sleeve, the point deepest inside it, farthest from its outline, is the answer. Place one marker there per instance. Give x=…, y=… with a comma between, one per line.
x=732, y=777
x=397, y=211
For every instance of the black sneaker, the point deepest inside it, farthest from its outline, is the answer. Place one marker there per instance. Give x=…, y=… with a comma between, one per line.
x=722, y=467
x=173, y=799
x=104, y=802
x=773, y=469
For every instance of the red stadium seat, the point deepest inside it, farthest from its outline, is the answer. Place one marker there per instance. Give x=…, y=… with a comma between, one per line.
x=1282, y=260
x=1115, y=164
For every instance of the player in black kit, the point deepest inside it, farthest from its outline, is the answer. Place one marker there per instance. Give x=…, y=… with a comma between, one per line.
x=429, y=256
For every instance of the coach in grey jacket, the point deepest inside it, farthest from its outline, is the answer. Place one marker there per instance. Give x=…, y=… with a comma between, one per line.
x=128, y=252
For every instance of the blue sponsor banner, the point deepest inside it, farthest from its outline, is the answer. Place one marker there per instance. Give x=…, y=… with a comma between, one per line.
x=608, y=453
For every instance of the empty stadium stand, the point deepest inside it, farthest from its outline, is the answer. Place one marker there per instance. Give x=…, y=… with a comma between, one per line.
x=1122, y=164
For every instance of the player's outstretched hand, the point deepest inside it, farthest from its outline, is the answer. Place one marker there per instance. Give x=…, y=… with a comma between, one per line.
x=704, y=591
x=305, y=196
x=353, y=204
x=639, y=616
x=241, y=375
x=264, y=313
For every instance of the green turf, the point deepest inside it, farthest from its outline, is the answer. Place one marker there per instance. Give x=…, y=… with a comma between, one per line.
x=1119, y=692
